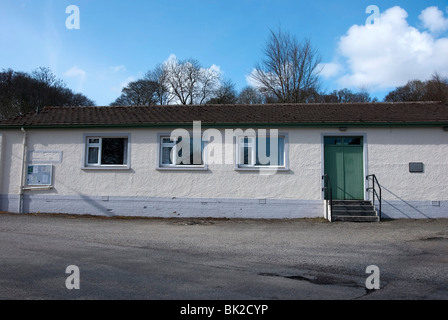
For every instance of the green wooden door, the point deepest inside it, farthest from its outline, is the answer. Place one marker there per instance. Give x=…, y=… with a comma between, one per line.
x=343, y=162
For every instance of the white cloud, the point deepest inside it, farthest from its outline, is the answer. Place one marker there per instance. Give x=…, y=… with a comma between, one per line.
x=120, y=68
x=126, y=82
x=171, y=58
x=433, y=19
x=252, y=81
x=77, y=73
x=330, y=69
x=216, y=69
x=390, y=53
x=123, y=84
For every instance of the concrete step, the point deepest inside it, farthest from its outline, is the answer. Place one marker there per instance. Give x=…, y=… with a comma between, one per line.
x=354, y=210
x=362, y=213
x=352, y=202
x=356, y=218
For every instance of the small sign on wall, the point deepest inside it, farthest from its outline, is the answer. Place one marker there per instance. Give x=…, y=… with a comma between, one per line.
x=416, y=167
x=44, y=156
x=39, y=175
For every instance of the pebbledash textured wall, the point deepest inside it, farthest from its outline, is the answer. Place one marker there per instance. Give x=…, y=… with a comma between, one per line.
x=222, y=191
x=406, y=194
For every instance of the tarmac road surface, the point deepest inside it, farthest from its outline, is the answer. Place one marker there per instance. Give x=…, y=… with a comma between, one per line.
x=213, y=259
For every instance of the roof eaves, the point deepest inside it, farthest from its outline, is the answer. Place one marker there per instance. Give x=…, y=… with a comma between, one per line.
x=440, y=123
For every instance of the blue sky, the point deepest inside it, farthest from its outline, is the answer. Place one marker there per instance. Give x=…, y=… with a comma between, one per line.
x=119, y=41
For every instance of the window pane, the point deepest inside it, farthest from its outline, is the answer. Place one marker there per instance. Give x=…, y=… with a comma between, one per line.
x=249, y=140
x=113, y=151
x=247, y=155
x=246, y=148
x=166, y=152
x=280, y=161
x=263, y=151
x=167, y=140
x=92, y=157
x=196, y=148
x=179, y=159
x=195, y=152
x=281, y=151
x=94, y=140
x=353, y=140
x=333, y=140
x=343, y=141
x=182, y=149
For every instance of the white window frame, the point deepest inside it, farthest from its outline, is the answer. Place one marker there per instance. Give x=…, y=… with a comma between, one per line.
x=98, y=165
x=173, y=144
x=252, y=166
x=251, y=144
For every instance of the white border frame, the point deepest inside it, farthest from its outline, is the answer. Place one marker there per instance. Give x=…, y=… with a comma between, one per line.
x=364, y=151
x=126, y=166
x=50, y=184
x=236, y=139
x=192, y=167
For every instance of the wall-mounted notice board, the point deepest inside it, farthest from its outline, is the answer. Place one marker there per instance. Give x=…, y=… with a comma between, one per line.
x=39, y=175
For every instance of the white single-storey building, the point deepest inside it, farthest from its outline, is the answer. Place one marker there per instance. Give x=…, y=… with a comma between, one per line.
x=249, y=161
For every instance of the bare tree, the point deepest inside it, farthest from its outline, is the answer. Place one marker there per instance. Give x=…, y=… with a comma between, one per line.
x=47, y=87
x=159, y=76
x=225, y=94
x=414, y=90
x=208, y=85
x=188, y=83
x=21, y=92
x=435, y=89
x=181, y=78
x=46, y=77
x=137, y=93
x=290, y=69
x=250, y=95
x=345, y=96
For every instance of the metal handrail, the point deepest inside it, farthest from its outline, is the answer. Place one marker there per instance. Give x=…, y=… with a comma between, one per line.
x=374, y=191
x=328, y=193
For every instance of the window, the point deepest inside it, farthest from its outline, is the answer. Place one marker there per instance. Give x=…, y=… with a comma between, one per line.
x=350, y=141
x=107, y=151
x=175, y=153
x=253, y=152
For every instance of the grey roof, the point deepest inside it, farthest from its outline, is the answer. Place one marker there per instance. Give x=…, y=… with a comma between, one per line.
x=406, y=113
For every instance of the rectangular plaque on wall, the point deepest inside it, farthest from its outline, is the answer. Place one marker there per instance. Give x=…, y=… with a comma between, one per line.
x=44, y=156
x=415, y=166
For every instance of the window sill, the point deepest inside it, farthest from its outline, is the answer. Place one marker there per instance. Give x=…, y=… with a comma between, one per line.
x=185, y=168
x=261, y=169
x=37, y=187
x=106, y=168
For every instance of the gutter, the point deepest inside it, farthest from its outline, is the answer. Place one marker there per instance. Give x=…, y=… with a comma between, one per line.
x=443, y=123
x=22, y=175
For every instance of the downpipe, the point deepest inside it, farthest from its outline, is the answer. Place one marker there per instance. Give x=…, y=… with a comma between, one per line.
x=22, y=175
